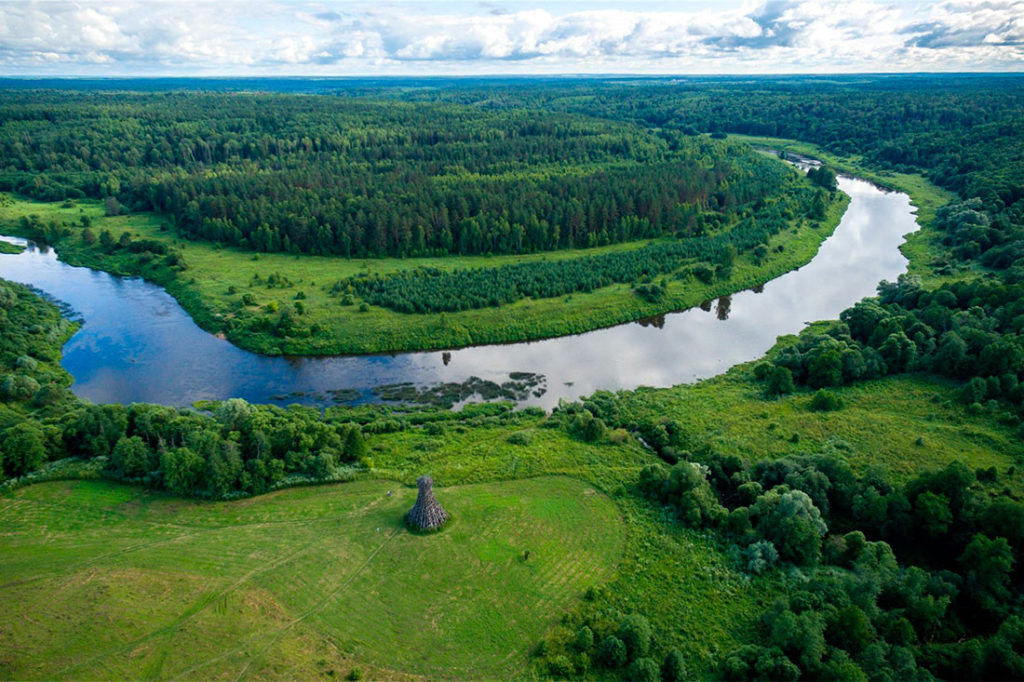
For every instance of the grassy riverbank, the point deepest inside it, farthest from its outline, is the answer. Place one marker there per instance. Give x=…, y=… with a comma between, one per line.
x=219, y=286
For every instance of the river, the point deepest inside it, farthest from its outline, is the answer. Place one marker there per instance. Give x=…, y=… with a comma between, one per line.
x=138, y=345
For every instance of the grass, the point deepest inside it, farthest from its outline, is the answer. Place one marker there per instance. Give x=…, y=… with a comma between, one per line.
x=929, y=260
x=212, y=287
x=879, y=425
x=107, y=581
x=9, y=248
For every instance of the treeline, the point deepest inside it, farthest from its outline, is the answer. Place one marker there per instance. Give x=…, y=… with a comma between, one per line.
x=711, y=254
x=323, y=175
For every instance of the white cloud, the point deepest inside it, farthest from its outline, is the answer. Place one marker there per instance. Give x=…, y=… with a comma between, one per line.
x=299, y=36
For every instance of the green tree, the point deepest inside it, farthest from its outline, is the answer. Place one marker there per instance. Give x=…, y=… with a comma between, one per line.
x=673, y=669
x=584, y=639
x=129, y=458
x=779, y=382
x=611, y=653
x=355, y=445
x=635, y=633
x=182, y=469
x=932, y=514
x=644, y=670
x=24, y=448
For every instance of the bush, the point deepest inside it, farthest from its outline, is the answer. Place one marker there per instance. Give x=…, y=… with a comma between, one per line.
x=779, y=382
x=584, y=639
x=674, y=667
x=644, y=670
x=826, y=401
x=519, y=438
x=635, y=633
x=612, y=652
x=18, y=387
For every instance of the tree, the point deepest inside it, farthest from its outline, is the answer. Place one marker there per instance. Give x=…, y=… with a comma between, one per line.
x=644, y=670
x=24, y=448
x=673, y=669
x=987, y=563
x=791, y=522
x=780, y=382
x=635, y=633
x=182, y=469
x=932, y=514
x=584, y=639
x=611, y=653
x=129, y=458
x=355, y=445
x=111, y=206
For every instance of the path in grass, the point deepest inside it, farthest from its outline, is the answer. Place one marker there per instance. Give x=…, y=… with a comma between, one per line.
x=108, y=581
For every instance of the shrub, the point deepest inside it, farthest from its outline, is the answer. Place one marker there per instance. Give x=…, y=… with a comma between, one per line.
x=612, y=652
x=779, y=382
x=18, y=387
x=585, y=639
x=519, y=438
x=644, y=670
x=826, y=401
x=674, y=667
x=635, y=633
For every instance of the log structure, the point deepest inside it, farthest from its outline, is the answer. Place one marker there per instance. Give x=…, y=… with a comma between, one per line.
x=427, y=513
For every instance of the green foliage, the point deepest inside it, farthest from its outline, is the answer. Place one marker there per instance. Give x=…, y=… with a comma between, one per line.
x=612, y=653
x=673, y=669
x=635, y=633
x=826, y=401
x=779, y=382
x=644, y=670
x=318, y=174
x=23, y=447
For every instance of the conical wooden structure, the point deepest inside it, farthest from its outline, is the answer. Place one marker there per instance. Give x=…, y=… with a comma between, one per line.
x=427, y=513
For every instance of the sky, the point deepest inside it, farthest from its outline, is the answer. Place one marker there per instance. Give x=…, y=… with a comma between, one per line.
x=334, y=38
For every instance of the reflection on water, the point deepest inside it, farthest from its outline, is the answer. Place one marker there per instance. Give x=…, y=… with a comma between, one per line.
x=139, y=345
x=722, y=307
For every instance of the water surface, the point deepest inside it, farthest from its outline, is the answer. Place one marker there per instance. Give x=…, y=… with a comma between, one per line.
x=138, y=345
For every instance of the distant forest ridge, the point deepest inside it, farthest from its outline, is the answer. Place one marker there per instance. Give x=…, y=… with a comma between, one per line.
x=314, y=174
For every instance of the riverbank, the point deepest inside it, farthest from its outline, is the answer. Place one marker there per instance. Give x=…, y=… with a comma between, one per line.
x=220, y=286
x=928, y=259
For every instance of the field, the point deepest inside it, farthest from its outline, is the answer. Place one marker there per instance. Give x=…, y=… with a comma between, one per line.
x=216, y=279
x=108, y=581
x=879, y=425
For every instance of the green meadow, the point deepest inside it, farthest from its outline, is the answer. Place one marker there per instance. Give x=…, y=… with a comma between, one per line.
x=109, y=581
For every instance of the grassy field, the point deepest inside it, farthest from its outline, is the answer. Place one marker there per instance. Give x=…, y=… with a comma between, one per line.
x=880, y=424
x=212, y=287
x=107, y=581
x=928, y=259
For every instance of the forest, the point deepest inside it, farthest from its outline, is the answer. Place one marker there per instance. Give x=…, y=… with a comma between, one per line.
x=851, y=503
x=323, y=175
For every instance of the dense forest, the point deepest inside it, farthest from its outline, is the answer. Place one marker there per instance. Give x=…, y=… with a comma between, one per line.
x=323, y=175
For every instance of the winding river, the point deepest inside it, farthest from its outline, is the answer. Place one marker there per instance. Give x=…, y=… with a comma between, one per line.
x=138, y=345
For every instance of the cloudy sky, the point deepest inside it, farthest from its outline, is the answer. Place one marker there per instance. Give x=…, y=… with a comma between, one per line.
x=299, y=37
